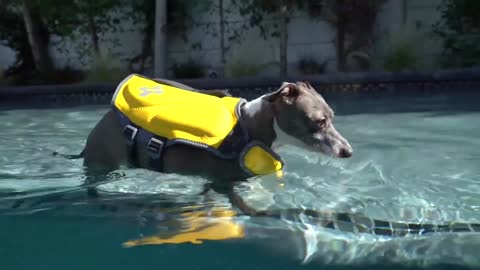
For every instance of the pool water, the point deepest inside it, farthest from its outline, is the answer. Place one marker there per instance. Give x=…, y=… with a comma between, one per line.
x=415, y=160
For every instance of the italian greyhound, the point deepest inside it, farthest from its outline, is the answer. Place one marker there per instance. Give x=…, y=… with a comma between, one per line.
x=294, y=114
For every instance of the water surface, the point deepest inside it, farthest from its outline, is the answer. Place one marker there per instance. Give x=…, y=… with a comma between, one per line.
x=415, y=160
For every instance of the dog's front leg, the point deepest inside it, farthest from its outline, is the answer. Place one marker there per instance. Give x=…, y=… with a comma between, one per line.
x=91, y=180
x=235, y=199
x=206, y=188
x=238, y=201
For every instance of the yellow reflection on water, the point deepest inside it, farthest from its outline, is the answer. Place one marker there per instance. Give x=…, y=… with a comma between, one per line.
x=215, y=224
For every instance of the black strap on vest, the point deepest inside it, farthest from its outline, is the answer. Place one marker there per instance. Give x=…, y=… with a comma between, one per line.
x=137, y=137
x=235, y=140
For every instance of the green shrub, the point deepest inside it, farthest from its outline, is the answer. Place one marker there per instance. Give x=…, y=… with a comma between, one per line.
x=188, y=70
x=310, y=66
x=104, y=71
x=361, y=60
x=64, y=75
x=401, y=57
x=2, y=78
x=248, y=61
x=459, y=30
x=401, y=51
x=242, y=68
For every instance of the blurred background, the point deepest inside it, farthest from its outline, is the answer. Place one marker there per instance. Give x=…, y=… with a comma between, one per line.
x=62, y=42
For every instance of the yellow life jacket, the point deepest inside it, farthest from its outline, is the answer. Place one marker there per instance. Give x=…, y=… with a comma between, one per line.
x=174, y=115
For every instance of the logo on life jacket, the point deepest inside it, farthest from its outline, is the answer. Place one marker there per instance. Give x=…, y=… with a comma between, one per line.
x=147, y=91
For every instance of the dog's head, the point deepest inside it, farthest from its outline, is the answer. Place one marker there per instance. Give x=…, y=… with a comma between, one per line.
x=303, y=118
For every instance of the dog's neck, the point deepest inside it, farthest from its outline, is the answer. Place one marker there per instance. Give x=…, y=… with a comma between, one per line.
x=261, y=123
x=258, y=117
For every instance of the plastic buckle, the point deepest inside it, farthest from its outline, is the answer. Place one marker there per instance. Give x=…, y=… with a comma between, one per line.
x=155, y=147
x=130, y=132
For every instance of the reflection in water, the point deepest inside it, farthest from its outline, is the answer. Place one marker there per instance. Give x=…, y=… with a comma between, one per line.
x=311, y=236
x=194, y=227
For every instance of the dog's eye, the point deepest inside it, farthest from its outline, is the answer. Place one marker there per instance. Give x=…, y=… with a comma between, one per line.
x=321, y=122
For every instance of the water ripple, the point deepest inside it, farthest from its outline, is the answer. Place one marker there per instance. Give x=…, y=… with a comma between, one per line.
x=409, y=167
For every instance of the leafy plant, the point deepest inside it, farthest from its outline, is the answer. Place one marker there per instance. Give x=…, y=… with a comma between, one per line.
x=310, y=66
x=459, y=29
x=401, y=57
x=180, y=19
x=3, y=80
x=354, y=23
x=14, y=36
x=256, y=11
x=362, y=59
x=402, y=51
x=242, y=68
x=89, y=19
x=65, y=75
x=248, y=61
x=188, y=70
x=64, y=19
x=104, y=71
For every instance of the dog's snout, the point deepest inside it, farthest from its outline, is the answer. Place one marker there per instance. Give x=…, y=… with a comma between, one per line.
x=346, y=152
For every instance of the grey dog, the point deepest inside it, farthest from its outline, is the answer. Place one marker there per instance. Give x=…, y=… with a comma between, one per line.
x=294, y=114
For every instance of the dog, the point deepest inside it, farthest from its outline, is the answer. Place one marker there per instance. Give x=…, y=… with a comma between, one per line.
x=295, y=114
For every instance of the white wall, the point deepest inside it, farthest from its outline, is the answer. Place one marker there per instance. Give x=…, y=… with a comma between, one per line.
x=70, y=52
x=401, y=19
x=307, y=38
x=116, y=47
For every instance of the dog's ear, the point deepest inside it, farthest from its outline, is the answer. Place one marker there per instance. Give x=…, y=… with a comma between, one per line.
x=288, y=92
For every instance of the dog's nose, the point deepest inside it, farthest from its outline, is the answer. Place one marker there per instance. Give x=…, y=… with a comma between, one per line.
x=346, y=152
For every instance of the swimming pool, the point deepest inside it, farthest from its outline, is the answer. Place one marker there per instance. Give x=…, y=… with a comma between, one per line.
x=415, y=160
